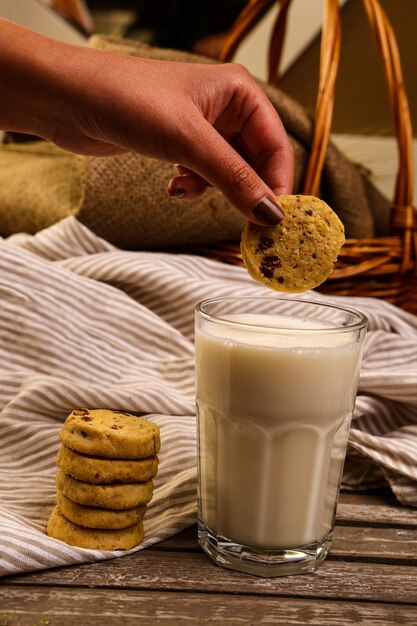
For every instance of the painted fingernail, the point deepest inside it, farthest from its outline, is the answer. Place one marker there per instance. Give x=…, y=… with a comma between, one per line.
x=177, y=192
x=268, y=212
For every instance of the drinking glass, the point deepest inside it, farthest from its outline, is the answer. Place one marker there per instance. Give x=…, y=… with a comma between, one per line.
x=276, y=381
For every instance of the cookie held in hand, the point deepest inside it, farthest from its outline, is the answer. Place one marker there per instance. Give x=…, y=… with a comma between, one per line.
x=299, y=253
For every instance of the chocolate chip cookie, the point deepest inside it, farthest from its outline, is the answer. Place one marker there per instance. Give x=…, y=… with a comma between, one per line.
x=116, y=496
x=300, y=252
x=62, y=528
x=93, y=469
x=110, y=434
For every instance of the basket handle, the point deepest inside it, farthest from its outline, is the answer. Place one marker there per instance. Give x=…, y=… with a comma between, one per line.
x=329, y=60
x=248, y=18
x=329, y=63
x=403, y=216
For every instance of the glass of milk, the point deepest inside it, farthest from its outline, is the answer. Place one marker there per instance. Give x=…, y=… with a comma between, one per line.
x=276, y=381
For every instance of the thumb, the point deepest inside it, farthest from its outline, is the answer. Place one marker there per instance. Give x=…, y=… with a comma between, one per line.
x=216, y=161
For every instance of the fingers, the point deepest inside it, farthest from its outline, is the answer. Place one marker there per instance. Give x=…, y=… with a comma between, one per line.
x=265, y=139
x=251, y=123
x=187, y=184
x=216, y=161
x=241, y=147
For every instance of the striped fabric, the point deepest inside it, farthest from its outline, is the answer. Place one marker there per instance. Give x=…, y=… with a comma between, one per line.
x=85, y=324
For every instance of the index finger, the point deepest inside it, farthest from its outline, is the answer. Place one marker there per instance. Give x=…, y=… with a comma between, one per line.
x=268, y=145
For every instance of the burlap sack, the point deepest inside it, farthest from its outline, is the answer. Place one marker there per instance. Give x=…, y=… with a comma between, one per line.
x=124, y=199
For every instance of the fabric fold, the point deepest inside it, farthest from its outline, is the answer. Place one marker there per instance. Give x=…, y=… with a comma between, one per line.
x=85, y=324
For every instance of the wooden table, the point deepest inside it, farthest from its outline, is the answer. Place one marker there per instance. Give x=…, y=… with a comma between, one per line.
x=369, y=578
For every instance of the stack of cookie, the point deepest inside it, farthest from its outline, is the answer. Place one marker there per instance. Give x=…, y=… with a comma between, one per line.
x=104, y=481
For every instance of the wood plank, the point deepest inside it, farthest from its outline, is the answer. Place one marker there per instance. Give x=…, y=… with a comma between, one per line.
x=188, y=571
x=397, y=544
x=349, y=541
x=32, y=606
x=374, y=509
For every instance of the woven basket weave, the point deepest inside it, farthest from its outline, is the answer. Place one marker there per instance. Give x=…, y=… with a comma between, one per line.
x=383, y=267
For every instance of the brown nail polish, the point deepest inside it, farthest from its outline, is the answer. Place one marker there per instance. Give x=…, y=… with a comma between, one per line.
x=268, y=212
x=177, y=193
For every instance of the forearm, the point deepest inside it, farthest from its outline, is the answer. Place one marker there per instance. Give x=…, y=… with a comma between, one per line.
x=97, y=103
x=38, y=76
x=28, y=63
x=50, y=88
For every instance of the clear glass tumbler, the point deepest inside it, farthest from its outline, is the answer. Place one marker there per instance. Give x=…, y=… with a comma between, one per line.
x=276, y=381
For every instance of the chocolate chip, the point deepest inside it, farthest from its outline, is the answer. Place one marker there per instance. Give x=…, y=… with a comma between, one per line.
x=280, y=280
x=272, y=260
x=268, y=272
x=86, y=418
x=264, y=244
x=83, y=434
x=308, y=212
x=269, y=263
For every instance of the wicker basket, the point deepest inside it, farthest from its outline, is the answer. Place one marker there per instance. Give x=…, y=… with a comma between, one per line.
x=383, y=267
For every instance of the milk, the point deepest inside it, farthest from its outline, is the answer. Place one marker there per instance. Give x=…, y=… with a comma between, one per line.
x=274, y=413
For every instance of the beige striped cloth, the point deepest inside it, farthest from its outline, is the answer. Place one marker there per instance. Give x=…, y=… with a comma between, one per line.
x=85, y=324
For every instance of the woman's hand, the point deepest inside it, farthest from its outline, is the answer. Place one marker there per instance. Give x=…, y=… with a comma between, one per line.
x=212, y=120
